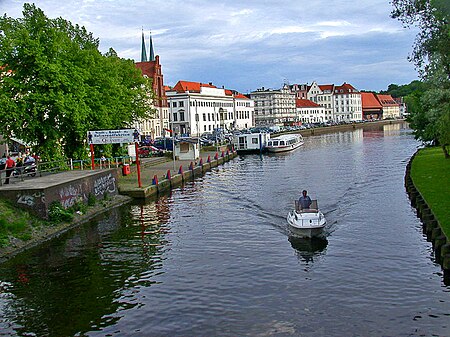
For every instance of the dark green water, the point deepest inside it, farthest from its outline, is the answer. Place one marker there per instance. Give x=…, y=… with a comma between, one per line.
x=214, y=258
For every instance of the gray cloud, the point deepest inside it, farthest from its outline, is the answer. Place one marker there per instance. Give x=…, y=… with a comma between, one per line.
x=247, y=44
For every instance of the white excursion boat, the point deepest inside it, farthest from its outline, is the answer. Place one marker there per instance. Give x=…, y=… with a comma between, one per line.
x=251, y=142
x=306, y=223
x=284, y=143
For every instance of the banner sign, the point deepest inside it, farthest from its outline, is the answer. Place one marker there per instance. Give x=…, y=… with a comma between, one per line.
x=113, y=136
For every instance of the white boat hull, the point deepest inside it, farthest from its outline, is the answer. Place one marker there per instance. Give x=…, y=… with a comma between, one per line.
x=284, y=148
x=308, y=224
x=284, y=143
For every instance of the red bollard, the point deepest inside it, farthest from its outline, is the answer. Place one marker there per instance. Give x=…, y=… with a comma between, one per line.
x=223, y=154
x=191, y=166
x=209, y=159
x=155, y=180
x=216, y=156
x=168, y=175
x=180, y=170
x=201, y=162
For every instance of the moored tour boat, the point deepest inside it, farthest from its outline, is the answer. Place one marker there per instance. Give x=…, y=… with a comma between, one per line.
x=306, y=223
x=284, y=143
x=251, y=142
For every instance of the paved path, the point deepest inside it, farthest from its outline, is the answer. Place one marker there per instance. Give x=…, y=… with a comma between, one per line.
x=150, y=167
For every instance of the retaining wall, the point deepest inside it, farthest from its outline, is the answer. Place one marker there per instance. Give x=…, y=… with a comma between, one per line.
x=430, y=225
x=38, y=197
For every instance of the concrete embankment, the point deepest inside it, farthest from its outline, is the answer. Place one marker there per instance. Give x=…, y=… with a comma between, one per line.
x=430, y=224
x=161, y=175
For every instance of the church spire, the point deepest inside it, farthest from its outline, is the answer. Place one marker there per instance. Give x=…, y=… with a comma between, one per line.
x=152, y=54
x=143, y=52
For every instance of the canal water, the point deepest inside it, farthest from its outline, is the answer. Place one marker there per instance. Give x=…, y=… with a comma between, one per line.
x=214, y=258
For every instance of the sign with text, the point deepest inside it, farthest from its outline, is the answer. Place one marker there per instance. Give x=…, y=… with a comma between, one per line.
x=113, y=136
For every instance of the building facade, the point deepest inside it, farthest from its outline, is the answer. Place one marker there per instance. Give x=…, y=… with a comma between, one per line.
x=347, y=104
x=391, y=109
x=310, y=112
x=323, y=95
x=371, y=107
x=197, y=108
x=274, y=107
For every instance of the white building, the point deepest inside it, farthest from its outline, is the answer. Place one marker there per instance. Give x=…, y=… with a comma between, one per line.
x=196, y=108
x=310, y=112
x=323, y=95
x=347, y=103
x=274, y=107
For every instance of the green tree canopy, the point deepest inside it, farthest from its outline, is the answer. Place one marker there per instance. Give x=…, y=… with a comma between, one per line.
x=56, y=85
x=431, y=55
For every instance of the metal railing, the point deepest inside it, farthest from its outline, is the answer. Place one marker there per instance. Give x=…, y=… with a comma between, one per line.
x=44, y=168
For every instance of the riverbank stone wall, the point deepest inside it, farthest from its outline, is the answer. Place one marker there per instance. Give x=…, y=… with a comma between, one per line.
x=430, y=225
x=68, y=191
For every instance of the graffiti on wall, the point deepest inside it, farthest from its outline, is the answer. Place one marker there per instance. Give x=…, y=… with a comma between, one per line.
x=104, y=184
x=31, y=199
x=69, y=195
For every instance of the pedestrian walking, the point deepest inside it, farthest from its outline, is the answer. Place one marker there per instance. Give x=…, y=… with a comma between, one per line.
x=10, y=164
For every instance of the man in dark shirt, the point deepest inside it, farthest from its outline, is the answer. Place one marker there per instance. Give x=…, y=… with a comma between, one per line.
x=304, y=200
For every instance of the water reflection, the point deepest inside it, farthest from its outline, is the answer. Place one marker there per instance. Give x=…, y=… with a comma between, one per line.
x=87, y=274
x=308, y=249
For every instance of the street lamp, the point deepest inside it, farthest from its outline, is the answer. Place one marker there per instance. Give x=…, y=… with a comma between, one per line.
x=197, y=119
x=173, y=134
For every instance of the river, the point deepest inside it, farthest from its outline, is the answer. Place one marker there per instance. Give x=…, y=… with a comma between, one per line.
x=214, y=257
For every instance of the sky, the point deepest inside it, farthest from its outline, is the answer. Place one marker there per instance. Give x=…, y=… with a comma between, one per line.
x=245, y=45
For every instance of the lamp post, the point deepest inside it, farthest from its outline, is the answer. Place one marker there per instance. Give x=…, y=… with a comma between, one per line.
x=197, y=119
x=173, y=135
x=217, y=129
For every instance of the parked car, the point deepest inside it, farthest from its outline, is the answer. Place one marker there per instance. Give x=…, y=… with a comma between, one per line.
x=149, y=151
x=163, y=144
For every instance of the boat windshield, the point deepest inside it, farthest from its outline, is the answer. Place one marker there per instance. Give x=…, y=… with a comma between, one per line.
x=282, y=142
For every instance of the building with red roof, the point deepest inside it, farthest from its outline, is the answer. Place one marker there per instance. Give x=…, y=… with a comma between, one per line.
x=391, y=109
x=372, y=109
x=322, y=95
x=309, y=112
x=347, y=103
x=341, y=102
x=197, y=108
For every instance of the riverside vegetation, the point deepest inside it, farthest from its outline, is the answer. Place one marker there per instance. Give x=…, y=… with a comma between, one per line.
x=18, y=226
x=430, y=173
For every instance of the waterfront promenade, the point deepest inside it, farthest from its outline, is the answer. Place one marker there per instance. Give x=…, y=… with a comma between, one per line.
x=162, y=173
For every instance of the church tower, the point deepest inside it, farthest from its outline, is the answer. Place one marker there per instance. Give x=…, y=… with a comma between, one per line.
x=152, y=69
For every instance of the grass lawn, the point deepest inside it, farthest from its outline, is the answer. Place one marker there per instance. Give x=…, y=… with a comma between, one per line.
x=430, y=172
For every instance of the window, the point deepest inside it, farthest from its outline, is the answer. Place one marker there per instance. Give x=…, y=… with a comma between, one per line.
x=204, y=117
x=181, y=104
x=181, y=115
x=175, y=117
x=174, y=104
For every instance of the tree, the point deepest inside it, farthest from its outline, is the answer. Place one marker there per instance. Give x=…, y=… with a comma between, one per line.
x=56, y=85
x=431, y=56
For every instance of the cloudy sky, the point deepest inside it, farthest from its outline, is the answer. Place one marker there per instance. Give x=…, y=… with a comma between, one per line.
x=245, y=45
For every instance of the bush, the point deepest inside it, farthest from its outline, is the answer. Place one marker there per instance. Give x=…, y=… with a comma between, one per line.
x=57, y=213
x=92, y=200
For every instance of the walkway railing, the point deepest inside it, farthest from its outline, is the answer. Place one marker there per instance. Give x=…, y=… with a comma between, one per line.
x=45, y=168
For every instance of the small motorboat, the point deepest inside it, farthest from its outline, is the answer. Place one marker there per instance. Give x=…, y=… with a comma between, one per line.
x=306, y=223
